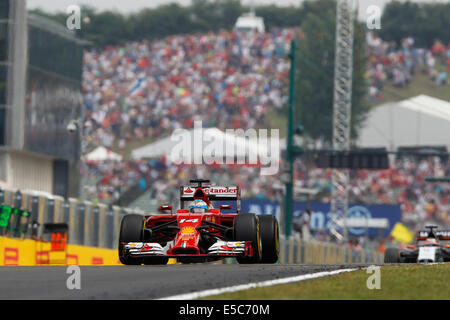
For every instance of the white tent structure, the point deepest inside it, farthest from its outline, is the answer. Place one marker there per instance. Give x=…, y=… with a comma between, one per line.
x=241, y=145
x=102, y=154
x=419, y=121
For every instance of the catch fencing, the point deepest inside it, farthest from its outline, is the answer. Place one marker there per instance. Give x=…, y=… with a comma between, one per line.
x=97, y=225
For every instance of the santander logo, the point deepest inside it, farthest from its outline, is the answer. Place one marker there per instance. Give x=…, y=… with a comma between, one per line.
x=214, y=190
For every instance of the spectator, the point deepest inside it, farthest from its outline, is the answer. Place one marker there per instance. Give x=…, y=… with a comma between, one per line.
x=144, y=90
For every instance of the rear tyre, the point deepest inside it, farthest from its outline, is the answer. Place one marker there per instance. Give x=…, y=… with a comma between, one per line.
x=391, y=255
x=246, y=228
x=131, y=229
x=268, y=226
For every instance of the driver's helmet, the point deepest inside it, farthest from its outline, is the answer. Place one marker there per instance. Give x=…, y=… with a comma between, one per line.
x=431, y=241
x=198, y=206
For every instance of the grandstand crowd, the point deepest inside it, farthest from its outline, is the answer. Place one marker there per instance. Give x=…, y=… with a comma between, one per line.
x=148, y=89
x=142, y=91
x=396, y=64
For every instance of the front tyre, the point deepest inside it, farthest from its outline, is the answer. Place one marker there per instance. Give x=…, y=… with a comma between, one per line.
x=246, y=228
x=131, y=229
x=268, y=226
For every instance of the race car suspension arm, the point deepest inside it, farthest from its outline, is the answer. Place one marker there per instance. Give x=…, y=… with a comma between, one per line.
x=205, y=232
x=207, y=224
x=167, y=225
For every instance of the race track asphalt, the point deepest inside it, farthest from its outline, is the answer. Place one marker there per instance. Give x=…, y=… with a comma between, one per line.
x=140, y=282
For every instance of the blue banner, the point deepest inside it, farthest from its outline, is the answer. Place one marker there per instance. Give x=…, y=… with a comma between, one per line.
x=321, y=217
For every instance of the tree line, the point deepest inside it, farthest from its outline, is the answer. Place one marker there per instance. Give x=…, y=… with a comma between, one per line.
x=315, y=20
x=423, y=21
x=114, y=28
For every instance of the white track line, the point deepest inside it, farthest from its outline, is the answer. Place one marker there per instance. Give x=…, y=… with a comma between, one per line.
x=210, y=292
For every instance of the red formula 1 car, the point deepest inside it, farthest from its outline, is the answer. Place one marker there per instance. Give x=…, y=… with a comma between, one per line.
x=191, y=235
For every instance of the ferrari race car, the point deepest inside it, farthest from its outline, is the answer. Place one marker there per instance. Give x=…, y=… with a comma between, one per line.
x=432, y=245
x=198, y=232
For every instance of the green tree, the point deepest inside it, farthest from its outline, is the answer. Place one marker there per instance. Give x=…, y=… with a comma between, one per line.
x=160, y=22
x=315, y=75
x=425, y=22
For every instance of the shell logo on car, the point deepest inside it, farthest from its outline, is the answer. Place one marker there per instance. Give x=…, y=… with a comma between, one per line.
x=187, y=231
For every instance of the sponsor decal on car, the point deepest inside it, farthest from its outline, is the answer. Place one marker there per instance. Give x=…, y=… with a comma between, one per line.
x=189, y=220
x=223, y=190
x=147, y=247
x=187, y=231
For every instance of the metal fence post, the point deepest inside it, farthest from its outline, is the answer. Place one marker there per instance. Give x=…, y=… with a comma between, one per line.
x=102, y=225
x=110, y=228
x=8, y=198
x=66, y=212
x=2, y=201
x=291, y=249
x=87, y=223
x=286, y=250
x=58, y=203
x=50, y=210
x=72, y=221
x=282, y=249
x=34, y=216
x=16, y=215
x=79, y=223
x=117, y=218
x=94, y=226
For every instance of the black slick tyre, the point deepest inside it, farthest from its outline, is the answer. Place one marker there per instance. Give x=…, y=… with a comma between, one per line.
x=246, y=228
x=131, y=229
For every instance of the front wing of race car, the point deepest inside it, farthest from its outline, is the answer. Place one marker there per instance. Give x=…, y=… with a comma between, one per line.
x=425, y=254
x=220, y=249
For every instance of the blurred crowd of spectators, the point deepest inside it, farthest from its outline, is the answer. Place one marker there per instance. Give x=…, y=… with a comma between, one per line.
x=403, y=183
x=148, y=89
x=396, y=64
x=162, y=177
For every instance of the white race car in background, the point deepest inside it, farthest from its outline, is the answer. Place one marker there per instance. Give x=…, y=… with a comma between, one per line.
x=432, y=245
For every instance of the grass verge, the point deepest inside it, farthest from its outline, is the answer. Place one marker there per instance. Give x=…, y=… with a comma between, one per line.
x=399, y=282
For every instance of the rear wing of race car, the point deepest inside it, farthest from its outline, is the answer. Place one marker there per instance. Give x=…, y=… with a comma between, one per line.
x=443, y=235
x=199, y=189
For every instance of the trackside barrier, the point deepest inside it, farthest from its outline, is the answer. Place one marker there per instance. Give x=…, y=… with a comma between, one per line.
x=26, y=252
x=24, y=213
x=90, y=224
x=294, y=250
